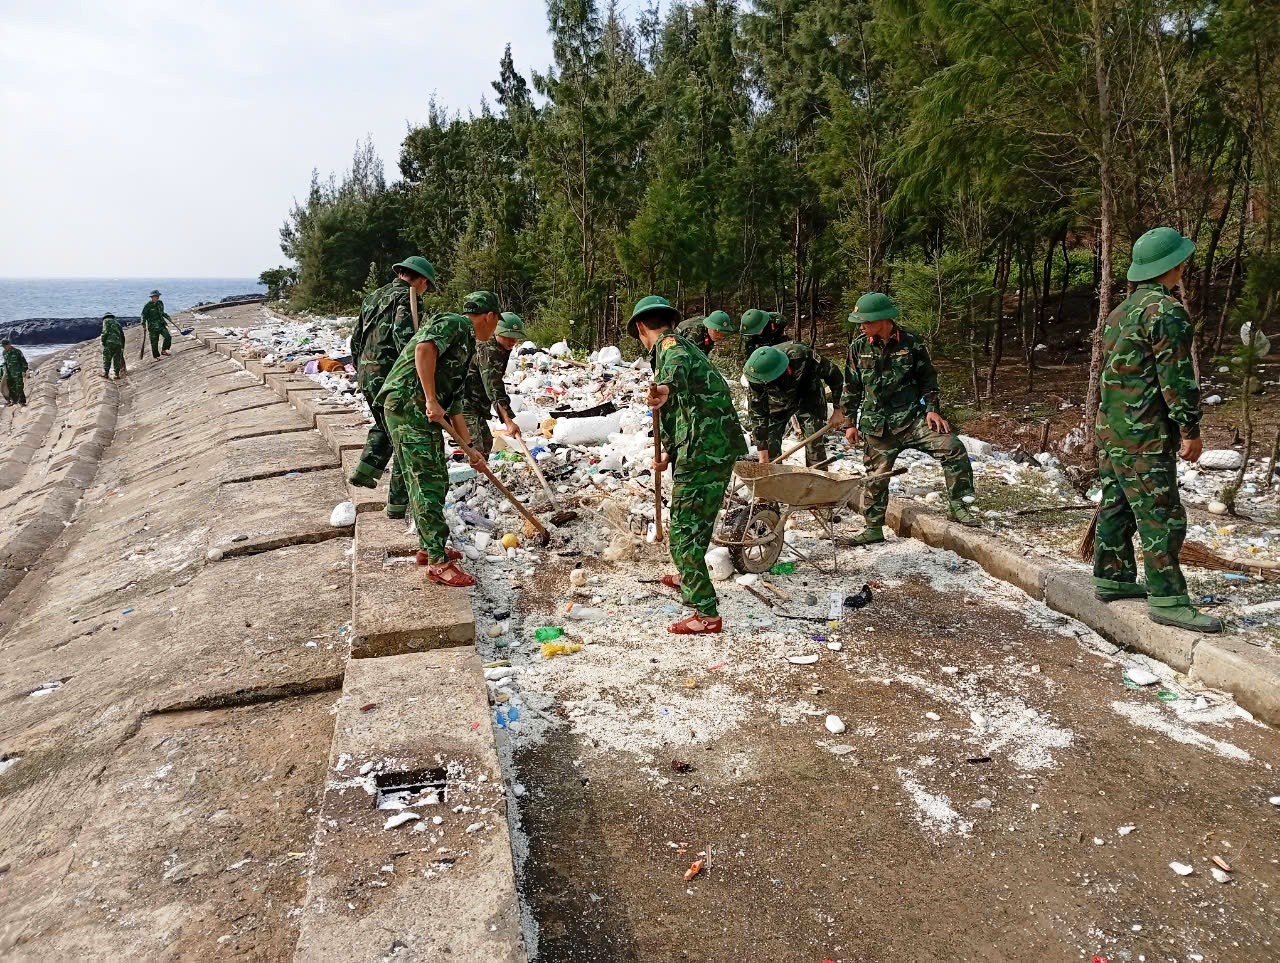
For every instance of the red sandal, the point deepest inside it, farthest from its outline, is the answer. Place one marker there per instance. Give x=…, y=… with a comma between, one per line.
x=708, y=626
x=671, y=581
x=450, y=575
x=452, y=554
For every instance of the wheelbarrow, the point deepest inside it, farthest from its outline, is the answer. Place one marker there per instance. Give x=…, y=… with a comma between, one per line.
x=754, y=533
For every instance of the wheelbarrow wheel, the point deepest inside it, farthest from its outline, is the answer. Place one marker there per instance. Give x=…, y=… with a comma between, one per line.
x=760, y=526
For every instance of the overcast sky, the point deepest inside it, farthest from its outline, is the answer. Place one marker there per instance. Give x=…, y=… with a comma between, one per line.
x=155, y=138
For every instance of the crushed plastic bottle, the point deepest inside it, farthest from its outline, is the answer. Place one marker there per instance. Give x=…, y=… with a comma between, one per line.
x=583, y=613
x=548, y=633
x=783, y=568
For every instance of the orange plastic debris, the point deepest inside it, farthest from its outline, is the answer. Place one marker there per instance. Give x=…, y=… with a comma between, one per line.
x=694, y=870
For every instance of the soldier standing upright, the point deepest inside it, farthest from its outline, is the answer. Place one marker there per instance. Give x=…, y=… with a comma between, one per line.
x=787, y=380
x=707, y=332
x=486, y=386
x=423, y=392
x=702, y=436
x=384, y=327
x=1148, y=414
x=112, y=347
x=890, y=377
x=157, y=325
x=15, y=369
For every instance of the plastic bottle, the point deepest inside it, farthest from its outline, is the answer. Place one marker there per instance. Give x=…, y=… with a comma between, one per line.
x=583, y=613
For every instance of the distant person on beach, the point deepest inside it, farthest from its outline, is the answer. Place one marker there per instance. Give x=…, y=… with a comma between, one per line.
x=112, y=347
x=15, y=368
x=157, y=322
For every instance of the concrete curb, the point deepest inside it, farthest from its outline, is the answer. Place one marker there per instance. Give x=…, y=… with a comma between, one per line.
x=1223, y=662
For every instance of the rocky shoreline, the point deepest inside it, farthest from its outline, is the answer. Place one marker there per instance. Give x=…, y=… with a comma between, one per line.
x=73, y=330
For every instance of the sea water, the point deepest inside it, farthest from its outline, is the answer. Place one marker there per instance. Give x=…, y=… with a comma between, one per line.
x=22, y=299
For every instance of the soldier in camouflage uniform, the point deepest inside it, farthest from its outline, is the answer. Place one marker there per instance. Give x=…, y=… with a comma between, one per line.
x=423, y=390
x=786, y=380
x=157, y=324
x=706, y=332
x=384, y=327
x=888, y=375
x=15, y=369
x=486, y=387
x=1148, y=414
x=702, y=435
x=762, y=329
x=112, y=347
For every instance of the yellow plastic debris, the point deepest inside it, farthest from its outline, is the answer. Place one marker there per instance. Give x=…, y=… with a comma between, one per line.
x=551, y=649
x=510, y=540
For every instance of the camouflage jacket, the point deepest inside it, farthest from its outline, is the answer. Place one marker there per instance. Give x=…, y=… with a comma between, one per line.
x=692, y=329
x=485, y=385
x=153, y=315
x=888, y=381
x=112, y=333
x=698, y=423
x=455, y=340
x=384, y=327
x=802, y=382
x=775, y=332
x=15, y=362
x=1148, y=392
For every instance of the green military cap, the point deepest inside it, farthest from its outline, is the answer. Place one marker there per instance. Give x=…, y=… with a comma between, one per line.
x=155, y=294
x=720, y=321
x=874, y=307
x=653, y=304
x=754, y=321
x=108, y=315
x=1157, y=252
x=765, y=365
x=418, y=265
x=481, y=302
x=511, y=325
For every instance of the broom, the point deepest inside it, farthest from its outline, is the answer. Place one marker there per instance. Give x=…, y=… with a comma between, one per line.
x=1194, y=554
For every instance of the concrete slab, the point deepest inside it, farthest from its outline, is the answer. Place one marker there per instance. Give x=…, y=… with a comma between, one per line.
x=365, y=499
x=282, y=383
x=450, y=893
x=253, y=458
x=255, y=397
x=1249, y=673
x=326, y=422
x=376, y=532
x=267, y=420
x=257, y=516
x=395, y=610
x=342, y=440
x=235, y=381
x=260, y=369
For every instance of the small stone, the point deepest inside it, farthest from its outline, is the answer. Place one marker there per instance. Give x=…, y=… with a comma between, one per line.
x=982, y=804
x=835, y=725
x=1182, y=869
x=835, y=646
x=1217, y=508
x=950, y=669
x=1140, y=676
x=802, y=659
x=1274, y=800
x=933, y=717
x=496, y=631
x=1126, y=830
x=214, y=555
x=1220, y=875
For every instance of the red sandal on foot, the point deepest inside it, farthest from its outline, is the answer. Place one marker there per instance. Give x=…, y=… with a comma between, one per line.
x=671, y=581
x=450, y=575
x=452, y=554
x=705, y=625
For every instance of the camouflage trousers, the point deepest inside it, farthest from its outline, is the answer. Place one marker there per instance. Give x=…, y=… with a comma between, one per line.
x=1140, y=495
x=695, y=503
x=113, y=357
x=419, y=451
x=17, y=389
x=160, y=340
x=881, y=451
x=811, y=413
x=481, y=436
x=378, y=449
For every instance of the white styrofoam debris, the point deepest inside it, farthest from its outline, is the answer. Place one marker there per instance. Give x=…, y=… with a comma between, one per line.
x=343, y=515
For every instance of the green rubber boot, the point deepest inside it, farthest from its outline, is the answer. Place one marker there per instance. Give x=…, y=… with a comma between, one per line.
x=959, y=512
x=870, y=536
x=1108, y=590
x=397, y=511
x=1177, y=610
x=364, y=477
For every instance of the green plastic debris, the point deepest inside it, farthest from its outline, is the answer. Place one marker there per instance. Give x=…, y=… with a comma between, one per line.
x=548, y=633
x=1164, y=695
x=783, y=568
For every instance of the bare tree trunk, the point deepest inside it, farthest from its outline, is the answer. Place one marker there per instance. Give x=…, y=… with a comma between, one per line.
x=997, y=336
x=1235, y=262
x=1066, y=276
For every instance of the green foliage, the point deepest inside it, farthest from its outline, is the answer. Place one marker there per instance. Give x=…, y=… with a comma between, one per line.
x=279, y=282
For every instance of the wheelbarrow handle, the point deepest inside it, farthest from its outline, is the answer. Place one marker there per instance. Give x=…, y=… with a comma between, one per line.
x=826, y=430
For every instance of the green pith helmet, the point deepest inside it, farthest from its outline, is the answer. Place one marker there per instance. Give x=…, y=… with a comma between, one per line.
x=482, y=302
x=765, y=365
x=154, y=294
x=873, y=307
x=108, y=316
x=753, y=322
x=653, y=304
x=1157, y=252
x=720, y=321
x=511, y=325
x=419, y=265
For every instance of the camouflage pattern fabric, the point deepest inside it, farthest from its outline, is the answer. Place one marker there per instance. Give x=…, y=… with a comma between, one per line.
x=775, y=332
x=485, y=389
x=1143, y=502
x=112, y=347
x=1149, y=400
x=384, y=327
x=695, y=502
x=15, y=367
x=160, y=340
x=798, y=392
x=886, y=380
x=154, y=317
x=419, y=447
x=881, y=451
x=455, y=342
x=692, y=329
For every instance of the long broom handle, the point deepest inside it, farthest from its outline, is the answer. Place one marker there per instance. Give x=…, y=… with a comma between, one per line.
x=533, y=463
x=485, y=470
x=657, y=477
x=826, y=430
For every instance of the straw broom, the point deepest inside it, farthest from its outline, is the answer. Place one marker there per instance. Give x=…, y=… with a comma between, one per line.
x=1194, y=554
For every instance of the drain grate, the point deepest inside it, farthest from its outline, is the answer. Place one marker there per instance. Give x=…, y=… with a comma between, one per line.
x=399, y=789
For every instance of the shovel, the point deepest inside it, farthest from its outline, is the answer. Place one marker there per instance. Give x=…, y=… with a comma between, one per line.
x=543, y=535
x=561, y=516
